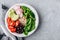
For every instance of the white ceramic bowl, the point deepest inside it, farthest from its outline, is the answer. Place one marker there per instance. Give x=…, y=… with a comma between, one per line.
x=36, y=22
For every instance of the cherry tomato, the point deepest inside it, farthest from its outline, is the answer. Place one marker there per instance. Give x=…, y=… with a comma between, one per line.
x=9, y=23
x=8, y=19
x=10, y=26
x=12, y=29
x=12, y=23
x=17, y=22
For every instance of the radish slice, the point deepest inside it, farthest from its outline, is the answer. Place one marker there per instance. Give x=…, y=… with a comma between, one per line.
x=16, y=7
x=18, y=10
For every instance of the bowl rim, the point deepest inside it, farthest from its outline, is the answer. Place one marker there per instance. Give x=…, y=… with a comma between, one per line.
x=36, y=22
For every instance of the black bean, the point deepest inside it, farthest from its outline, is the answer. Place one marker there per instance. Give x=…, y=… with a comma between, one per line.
x=17, y=31
x=21, y=31
x=17, y=28
x=20, y=28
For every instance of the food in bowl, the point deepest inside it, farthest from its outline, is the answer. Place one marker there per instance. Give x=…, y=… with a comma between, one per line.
x=21, y=20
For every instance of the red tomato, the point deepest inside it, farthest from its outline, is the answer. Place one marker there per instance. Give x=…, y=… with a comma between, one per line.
x=9, y=23
x=8, y=19
x=12, y=23
x=10, y=27
x=13, y=29
x=17, y=22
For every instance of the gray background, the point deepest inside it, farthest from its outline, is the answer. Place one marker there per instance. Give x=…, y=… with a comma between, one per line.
x=49, y=10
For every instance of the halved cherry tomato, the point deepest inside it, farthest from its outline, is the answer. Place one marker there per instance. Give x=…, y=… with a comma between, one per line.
x=12, y=29
x=8, y=19
x=12, y=23
x=10, y=26
x=17, y=23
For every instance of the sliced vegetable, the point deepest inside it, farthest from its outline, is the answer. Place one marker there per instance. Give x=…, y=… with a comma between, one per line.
x=10, y=27
x=13, y=29
x=13, y=15
x=8, y=19
x=12, y=23
x=18, y=10
x=17, y=22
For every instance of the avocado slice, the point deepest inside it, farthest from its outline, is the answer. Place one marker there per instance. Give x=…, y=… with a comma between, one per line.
x=13, y=15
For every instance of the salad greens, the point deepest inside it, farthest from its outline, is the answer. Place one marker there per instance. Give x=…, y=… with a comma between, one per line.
x=30, y=24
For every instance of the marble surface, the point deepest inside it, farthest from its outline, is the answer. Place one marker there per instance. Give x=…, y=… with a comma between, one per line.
x=49, y=10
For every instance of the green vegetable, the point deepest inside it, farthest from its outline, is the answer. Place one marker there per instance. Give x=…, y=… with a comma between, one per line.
x=27, y=11
x=30, y=24
x=33, y=26
x=13, y=15
x=25, y=32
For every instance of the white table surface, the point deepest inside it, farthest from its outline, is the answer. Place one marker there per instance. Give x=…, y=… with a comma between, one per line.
x=50, y=14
